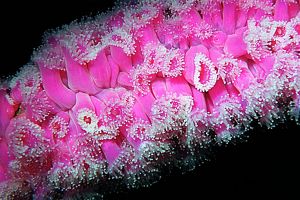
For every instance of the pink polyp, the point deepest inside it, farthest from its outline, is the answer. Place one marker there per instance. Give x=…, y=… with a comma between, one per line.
x=107, y=96
x=75, y=130
x=233, y=92
x=78, y=76
x=229, y=17
x=98, y=105
x=178, y=85
x=135, y=142
x=192, y=16
x=242, y=17
x=7, y=111
x=215, y=55
x=55, y=89
x=235, y=45
x=184, y=45
x=4, y=155
x=83, y=100
x=218, y=39
x=267, y=64
x=16, y=93
x=101, y=71
x=158, y=87
x=257, y=71
x=28, y=146
x=124, y=80
x=64, y=116
x=245, y=78
x=214, y=18
x=2, y=174
x=38, y=106
x=147, y=35
x=259, y=14
x=120, y=58
x=199, y=99
x=146, y=101
x=117, y=20
x=138, y=111
x=189, y=69
x=122, y=95
x=111, y=151
x=114, y=71
x=281, y=12
x=138, y=57
x=218, y=92
x=293, y=9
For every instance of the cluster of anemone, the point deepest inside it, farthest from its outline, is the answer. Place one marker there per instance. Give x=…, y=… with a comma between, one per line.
x=116, y=99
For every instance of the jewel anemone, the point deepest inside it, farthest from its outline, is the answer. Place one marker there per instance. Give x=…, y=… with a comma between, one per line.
x=116, y=99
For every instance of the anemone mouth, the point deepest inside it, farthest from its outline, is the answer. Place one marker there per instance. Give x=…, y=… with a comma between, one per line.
x=228, y=69
x=205, y=75
x=119, y=100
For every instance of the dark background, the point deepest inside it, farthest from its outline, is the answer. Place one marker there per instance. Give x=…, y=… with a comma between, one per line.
x=265, y=166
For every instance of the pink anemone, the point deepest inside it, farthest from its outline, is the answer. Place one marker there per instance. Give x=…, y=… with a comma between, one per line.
x=115, y=98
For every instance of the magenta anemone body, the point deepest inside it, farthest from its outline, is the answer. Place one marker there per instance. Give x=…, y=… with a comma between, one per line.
x=147, y=85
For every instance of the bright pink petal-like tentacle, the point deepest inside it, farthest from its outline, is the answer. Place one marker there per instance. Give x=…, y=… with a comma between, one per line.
x=98, y=105
x=178, y=85
x=100, y=70
x=4, y=155
x=83, y=100
x=242, y=17
x=114, y=71
x=78, y=76
x=7, y=110
x=158, y=87
x=218, y=92
x=139, y=112
x=111, y=151
x=218, y=39
x=281, y=11
x=16, y=93
x=147, y=35
x=146, y=101
x=199, y=99
x=235, y=45
x=55, y=89
x=245, y=79
x=119, y=57
x=124, y=79
x=229, y=17
x=267, y=64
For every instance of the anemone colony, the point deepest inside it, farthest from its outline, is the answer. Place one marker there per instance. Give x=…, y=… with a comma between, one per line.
x=115, y=99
